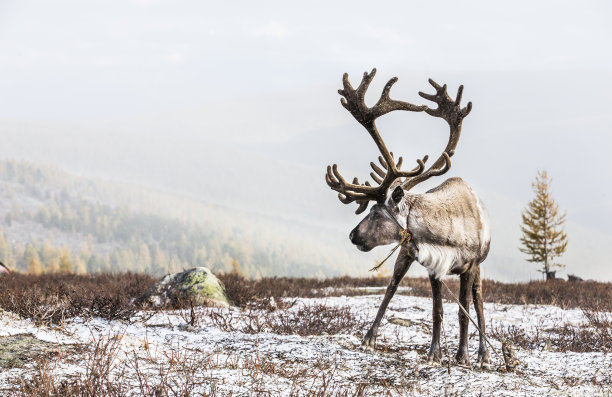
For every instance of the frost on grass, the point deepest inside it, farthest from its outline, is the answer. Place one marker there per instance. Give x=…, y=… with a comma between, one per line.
x=311, y=346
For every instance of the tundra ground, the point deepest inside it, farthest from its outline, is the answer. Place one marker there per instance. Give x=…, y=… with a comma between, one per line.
x=303, y=346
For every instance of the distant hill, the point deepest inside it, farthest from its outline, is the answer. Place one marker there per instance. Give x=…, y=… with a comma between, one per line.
x=273, y=193
x=87, y=224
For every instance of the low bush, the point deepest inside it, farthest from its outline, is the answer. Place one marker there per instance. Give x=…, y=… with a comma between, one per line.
x=304, y=320
x=585, y=294
x=51, y=298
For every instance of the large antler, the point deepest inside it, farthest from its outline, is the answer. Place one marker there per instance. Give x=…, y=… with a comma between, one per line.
x=452, y=112
x=354, y=102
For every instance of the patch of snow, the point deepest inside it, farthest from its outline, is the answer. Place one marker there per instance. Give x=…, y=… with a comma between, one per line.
x=398, y=364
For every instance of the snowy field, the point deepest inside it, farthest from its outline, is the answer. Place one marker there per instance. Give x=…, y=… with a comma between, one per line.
x=221, y=355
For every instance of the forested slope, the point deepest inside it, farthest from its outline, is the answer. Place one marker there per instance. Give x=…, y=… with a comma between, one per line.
x=51, y=220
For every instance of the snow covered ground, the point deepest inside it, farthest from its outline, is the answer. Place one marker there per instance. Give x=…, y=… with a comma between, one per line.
x=210, y=358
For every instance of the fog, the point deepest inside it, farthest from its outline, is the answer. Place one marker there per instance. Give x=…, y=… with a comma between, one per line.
x=236, y=104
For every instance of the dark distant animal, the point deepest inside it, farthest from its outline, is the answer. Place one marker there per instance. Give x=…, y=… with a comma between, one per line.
x=4, y=269
x=448, y=225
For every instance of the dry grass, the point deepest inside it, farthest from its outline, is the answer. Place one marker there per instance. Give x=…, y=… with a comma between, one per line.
x=593, y=336
x=180, y=372
x=51, y=298
x=268, y=307
x=243, y=291
x=585, y=294
x=304, y=320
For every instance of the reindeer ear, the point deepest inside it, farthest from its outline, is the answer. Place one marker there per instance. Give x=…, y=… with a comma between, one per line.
x=397, y=194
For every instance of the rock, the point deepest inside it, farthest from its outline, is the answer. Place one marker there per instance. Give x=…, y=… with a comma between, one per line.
x=401, y=321
x=18, y=350
x=4, y=269
x=198, y=286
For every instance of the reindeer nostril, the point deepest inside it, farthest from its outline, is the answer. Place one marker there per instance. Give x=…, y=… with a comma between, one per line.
x=352, y=235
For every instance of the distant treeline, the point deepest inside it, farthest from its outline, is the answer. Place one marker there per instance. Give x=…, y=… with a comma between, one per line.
x=122, y=228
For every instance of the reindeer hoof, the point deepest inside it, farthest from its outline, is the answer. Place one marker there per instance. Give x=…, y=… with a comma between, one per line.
x=432, y=362
x=434, y=357
x=369, y=342
x=483, y=360
x=463, y=358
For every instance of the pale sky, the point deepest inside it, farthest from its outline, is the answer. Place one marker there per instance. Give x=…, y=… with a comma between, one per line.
x=75, y=60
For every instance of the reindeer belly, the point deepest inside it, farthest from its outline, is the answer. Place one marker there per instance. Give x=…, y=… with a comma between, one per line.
x=441, y=260
x=450, y=228
x=437, y=259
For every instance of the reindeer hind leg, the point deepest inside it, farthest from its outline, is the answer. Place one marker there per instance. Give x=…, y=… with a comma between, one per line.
x=465, y=291
x=435, y=353
x=483, y=352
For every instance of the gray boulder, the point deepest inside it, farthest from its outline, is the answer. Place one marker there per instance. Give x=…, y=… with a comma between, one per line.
x=198, y=286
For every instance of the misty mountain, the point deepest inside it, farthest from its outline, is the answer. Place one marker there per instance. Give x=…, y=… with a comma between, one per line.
x=503, y=144
x=55, y=221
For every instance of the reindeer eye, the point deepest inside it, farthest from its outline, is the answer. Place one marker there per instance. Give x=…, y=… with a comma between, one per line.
x=397, y=194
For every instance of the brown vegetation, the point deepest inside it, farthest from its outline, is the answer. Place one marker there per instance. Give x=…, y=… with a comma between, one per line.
x=587, y=294
x=181, y=373
x=307, y=319
x=51, y=298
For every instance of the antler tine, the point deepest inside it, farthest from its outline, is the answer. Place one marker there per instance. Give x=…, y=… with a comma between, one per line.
x=379, y=176
x=365, y=82
x=378, y=170
x=363, y=204
x=445, y=167
x=459, y=95
x=383, y=162
x=451, y=111
x=434, y=84
x=347, y=193
x=345, y=199
x=354, y=101
x=376, y=178
x=447, y=109
x=399, y=162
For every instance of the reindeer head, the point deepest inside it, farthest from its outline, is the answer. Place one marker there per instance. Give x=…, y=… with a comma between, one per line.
x=386, y=218
x=383, y=224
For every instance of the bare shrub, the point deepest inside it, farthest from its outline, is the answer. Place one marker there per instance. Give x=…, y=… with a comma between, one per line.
x=51, y=298
x=180, y=372
x=313, y=319
x=587, y=294
x=100, y=379
x=242, y=291
x=594, y=336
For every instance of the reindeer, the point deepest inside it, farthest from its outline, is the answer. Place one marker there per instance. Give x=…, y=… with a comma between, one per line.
x=448, y=225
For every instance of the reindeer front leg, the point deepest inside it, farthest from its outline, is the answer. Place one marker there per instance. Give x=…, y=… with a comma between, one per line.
x=402, y=264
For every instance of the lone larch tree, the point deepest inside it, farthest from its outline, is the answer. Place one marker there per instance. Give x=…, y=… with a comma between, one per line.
x=544, y=238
